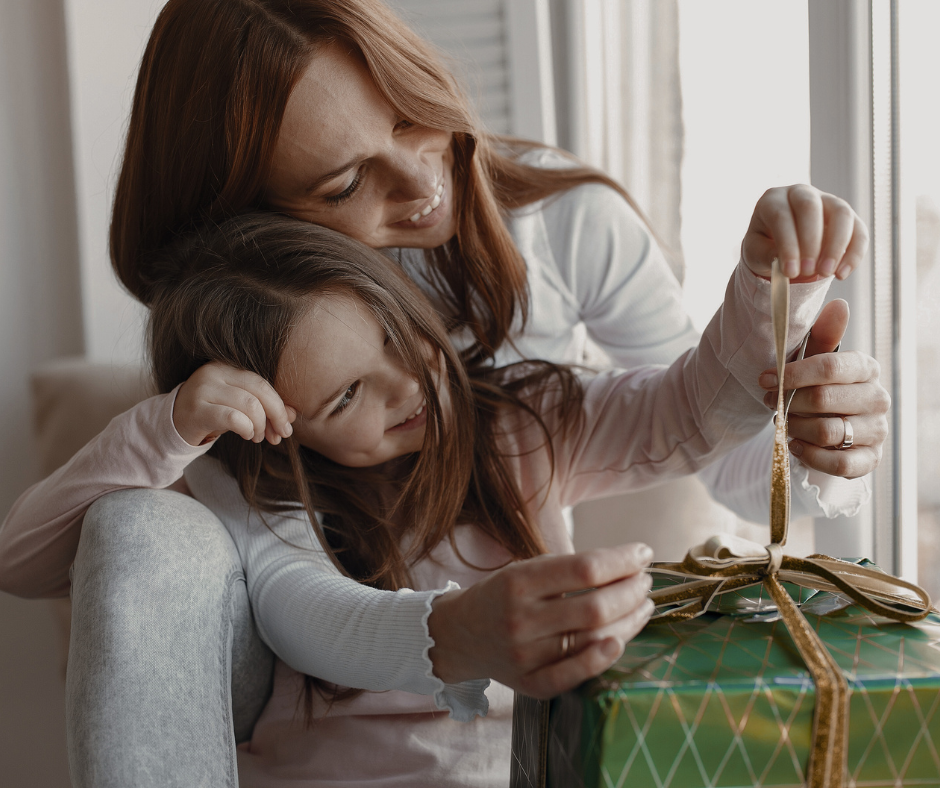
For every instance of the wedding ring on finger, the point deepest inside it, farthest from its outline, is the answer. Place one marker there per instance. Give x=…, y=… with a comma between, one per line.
x=848, y=437
x=566, y=644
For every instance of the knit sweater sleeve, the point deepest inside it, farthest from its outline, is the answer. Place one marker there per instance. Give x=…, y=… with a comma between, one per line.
x=673, y=420
x=39, y=537
x=631, y=304
x=321, y=622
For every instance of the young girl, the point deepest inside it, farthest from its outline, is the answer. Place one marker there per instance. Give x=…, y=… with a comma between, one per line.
x=430, y=483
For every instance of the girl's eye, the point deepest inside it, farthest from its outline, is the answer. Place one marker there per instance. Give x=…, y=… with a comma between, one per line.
x=349, y=191
x=347, y=398
x=403, y=124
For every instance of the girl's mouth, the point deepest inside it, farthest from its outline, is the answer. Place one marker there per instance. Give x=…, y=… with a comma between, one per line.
x=413, y=421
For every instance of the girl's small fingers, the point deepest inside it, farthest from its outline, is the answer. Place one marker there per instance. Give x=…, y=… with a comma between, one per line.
x=840, y=224
x=828, y=432
x=806, y=206
x=269, y=400
x=271, y=435
x=221, y=418
x=848, y=463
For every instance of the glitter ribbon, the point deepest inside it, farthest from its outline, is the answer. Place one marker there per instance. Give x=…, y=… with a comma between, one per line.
x=726, y=563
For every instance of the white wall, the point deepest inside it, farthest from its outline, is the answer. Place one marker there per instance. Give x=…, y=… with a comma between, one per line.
x=40, y=318
x=106, y=39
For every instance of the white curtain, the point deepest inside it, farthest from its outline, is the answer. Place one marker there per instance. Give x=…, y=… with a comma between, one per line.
x=619, y=100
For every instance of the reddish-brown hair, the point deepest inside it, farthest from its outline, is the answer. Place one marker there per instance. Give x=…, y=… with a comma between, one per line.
x=244, y=284
x=213, y=85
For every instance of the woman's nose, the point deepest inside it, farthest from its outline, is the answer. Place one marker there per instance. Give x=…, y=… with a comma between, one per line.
x=412, y=176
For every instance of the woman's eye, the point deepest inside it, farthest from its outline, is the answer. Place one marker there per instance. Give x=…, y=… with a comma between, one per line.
x=347, y=398
x=349, y=191
x=403, y=124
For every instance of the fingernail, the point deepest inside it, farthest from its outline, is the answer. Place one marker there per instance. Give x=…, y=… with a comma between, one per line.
x=768, y=380
x=644, y=554
x=648, y=580
x=827, y=267
x=844, y=271
x=796, y=448
x=791, y=268
x=808, y=267
x=288, y=430
x=612, y=648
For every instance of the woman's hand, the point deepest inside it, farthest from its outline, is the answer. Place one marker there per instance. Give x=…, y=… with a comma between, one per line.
x=219, y=398
x=517, y=626
x=830, y=388
x=812, y=233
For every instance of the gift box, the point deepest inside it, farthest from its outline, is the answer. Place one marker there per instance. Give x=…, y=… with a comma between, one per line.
x=725, y=699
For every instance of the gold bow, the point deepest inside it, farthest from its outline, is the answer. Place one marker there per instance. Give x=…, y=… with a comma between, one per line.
x=725, y=564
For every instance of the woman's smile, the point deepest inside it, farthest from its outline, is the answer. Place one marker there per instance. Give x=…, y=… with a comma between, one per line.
x=394, y=186
x=428, y=215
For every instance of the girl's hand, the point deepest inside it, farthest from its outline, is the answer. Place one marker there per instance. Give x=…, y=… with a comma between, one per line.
x=219, y=398
x=831, y=387
x=814, y=234
x=514, y=625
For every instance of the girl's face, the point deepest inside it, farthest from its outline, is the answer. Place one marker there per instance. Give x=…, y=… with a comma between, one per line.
x=345, y=160
x=356, y=404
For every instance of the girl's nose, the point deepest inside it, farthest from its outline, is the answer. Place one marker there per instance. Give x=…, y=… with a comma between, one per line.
x=401, y=388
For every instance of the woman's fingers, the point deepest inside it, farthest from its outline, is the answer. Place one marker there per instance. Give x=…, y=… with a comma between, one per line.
x=513, y=622
x=564, y=673
x=830, y=431
x=553, y=575
x=825, y=369
x=812, y=233
x=848, y=463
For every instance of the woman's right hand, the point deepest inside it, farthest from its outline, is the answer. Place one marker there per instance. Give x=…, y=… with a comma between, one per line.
x=513, y=625
x=218, y=398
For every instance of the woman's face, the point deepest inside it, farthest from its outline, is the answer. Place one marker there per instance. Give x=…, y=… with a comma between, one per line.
x=345, y=160
x=356, y=403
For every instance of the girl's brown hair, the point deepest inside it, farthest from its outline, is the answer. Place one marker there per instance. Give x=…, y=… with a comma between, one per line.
x=210, y=97
x=244, y=284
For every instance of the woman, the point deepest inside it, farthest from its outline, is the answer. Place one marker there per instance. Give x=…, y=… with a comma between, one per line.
x=336, y=113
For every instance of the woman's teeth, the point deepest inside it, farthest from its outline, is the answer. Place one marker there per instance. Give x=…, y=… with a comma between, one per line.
x=412, y=416
x=432, y=205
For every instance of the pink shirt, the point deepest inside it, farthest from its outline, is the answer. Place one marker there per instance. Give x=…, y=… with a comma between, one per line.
x=638, y=427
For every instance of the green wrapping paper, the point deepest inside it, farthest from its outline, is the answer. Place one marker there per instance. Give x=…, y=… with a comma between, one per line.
x=725, y=700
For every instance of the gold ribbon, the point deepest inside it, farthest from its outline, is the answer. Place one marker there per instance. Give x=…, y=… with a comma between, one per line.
x=725, y=564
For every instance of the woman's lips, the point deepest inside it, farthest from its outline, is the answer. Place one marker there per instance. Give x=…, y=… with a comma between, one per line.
x=430, y=214
x=417, y=419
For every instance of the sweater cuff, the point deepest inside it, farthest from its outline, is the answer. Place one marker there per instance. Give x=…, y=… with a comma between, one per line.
x=465, y=700
x=834, y=496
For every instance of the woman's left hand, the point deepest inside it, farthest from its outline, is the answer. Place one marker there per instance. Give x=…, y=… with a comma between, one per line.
x=812, y=233
x=832, y=388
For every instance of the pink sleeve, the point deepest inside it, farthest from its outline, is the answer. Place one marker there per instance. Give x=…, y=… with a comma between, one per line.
x=39, y=537
x=645, y=425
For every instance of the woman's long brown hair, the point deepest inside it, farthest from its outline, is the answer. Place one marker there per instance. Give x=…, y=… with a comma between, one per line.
x=210, y=97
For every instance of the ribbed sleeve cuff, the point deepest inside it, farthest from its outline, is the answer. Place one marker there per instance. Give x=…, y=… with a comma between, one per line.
x=466, y=700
